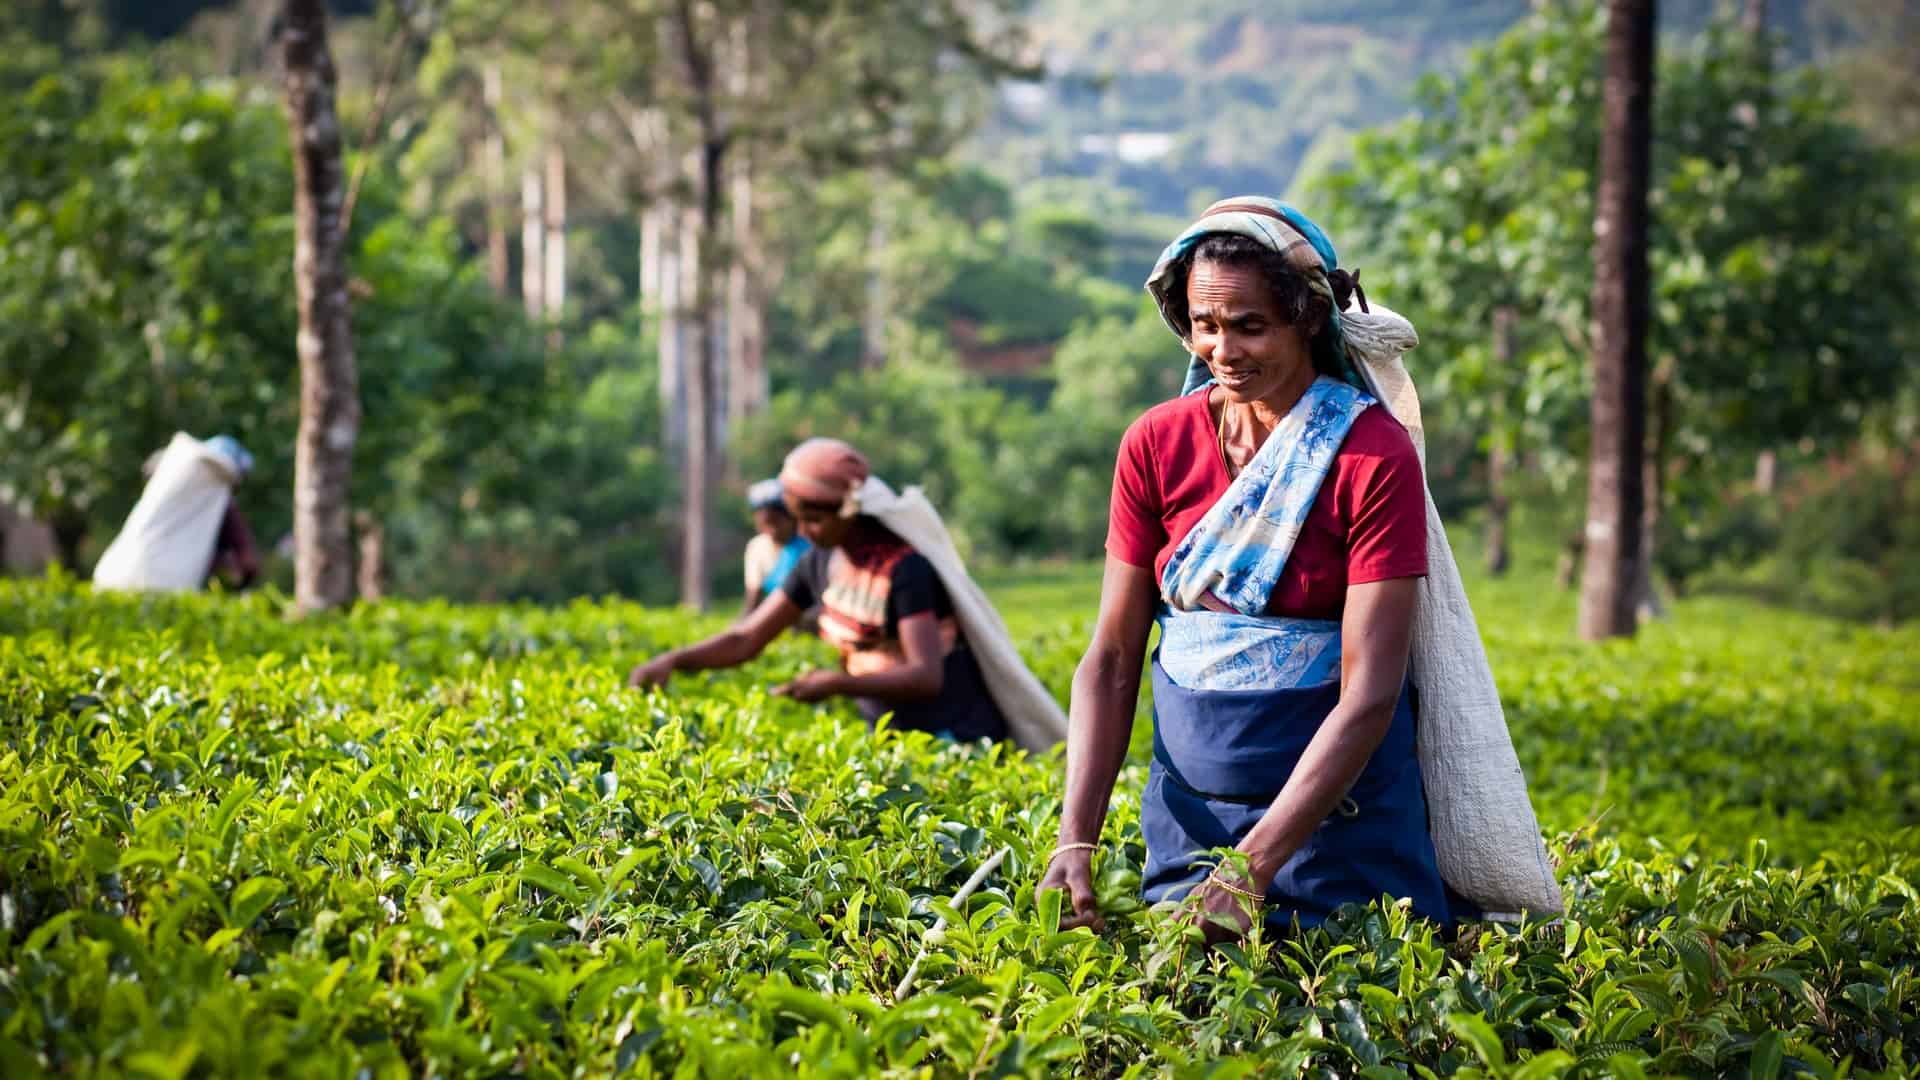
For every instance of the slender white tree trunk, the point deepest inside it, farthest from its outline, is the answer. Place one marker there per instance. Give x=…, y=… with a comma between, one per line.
x=747, y=326
x=747, y=382
x=554, y=288
x=650, y=249
x=329, y=382
x=493, y=165
x=533, y=243
x=697, y=346
x=878, y=310
x=668, y=303
x=1766, y=471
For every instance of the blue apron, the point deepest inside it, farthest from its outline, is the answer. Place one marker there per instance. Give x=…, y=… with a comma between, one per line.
x=1219, y=759
x=1239, y=694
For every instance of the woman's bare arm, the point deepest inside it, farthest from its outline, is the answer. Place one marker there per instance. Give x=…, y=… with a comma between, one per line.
x=731, y=647
x=1106, y=690
x=924, y=674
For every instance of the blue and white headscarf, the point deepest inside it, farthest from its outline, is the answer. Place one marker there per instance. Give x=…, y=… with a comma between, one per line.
x=232, y=453
x=1283, y=228
x=766, y=495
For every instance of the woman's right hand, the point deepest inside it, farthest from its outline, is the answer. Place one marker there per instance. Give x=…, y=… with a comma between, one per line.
x=1073, y=872
x=652, y=674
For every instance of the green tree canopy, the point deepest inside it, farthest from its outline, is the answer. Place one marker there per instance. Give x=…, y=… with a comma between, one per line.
x=1783, y=250
x=146, y=287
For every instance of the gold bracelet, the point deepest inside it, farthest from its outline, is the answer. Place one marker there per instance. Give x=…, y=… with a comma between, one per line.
x=1082, y=846
x=1215, y=879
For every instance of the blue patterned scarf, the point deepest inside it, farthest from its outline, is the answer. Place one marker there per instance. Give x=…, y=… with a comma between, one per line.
x=1236, y=553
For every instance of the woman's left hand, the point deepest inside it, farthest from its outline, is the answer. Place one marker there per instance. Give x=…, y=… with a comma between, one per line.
x=1239, y=912
x=812, y=686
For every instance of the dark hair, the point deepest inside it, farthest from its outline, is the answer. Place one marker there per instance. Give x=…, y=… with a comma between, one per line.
x=1295, y=300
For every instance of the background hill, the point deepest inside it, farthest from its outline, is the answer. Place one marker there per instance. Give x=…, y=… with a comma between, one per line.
x=1234, y=96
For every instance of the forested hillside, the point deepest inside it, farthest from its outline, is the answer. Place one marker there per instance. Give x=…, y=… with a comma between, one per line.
x=1247, y=95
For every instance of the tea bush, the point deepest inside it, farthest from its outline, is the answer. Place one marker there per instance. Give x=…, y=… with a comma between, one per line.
x=421, y=839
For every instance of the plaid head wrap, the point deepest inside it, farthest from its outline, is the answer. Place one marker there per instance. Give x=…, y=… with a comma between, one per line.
x=1283, y=228
x=828, y=471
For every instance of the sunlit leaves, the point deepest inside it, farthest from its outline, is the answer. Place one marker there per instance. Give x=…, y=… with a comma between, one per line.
x=425, y=839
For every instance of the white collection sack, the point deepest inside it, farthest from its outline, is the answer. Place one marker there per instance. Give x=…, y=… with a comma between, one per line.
x=1033, y=717
x=167, y=543
x=1485, y=836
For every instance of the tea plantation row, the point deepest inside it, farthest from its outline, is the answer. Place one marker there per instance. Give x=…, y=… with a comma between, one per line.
x=425, y=840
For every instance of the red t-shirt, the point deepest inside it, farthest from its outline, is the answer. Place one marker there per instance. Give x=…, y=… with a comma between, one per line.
x=1369, y=522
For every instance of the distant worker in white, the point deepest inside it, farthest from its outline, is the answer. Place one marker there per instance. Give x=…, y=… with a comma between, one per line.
x=187, y=527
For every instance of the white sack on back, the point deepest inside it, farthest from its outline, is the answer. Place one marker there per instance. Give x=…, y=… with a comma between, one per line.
x=1033, y=717
x=167, y=542
x=1485, y=836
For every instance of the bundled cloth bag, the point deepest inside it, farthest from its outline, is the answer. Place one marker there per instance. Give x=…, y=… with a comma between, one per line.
x=1486, y=839
x=167, y=542
x=1033, y=716
x=1484, y=831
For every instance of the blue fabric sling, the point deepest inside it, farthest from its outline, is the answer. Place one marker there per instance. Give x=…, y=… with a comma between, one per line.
x=790, y=556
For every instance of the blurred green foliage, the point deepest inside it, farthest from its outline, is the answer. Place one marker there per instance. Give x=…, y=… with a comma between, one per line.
x=974, y=321
x=146, y=287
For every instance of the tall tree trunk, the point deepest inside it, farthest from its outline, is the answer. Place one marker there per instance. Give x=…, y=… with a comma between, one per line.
x=329, y=384
x=371, y=571
x=695, y=327
x=553, y=295
x=1621, y=288
x=1499, y=449
x=705, y=459
x=1753, y=19
x=533, y=243
x=493, y=171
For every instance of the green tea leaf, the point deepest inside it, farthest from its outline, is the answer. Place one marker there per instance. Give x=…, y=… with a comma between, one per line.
x=1769, y=1052
x=1479, y=1035
x=253, y=897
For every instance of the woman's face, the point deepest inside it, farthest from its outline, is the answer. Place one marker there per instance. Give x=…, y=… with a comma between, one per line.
x=1237, y=331
x=774, y=522
x=821, y=525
